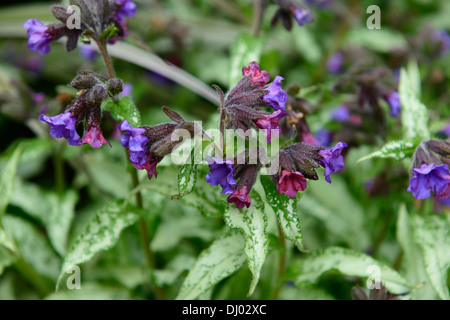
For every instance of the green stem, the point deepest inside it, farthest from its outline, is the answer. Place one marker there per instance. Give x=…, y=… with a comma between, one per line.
x=257, y=16
x=106, y=58
x=28, y=272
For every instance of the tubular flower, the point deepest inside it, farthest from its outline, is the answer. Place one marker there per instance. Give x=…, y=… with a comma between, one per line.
x=240, y=198
x=427, y=178
x=269, y=123
x=393, y=101
x=276, y=97
x=39, y=39
x=332, y=160
x=302, y=16
x=221, y=174
x=290, y=183
x=260, y=78
x=63, y=126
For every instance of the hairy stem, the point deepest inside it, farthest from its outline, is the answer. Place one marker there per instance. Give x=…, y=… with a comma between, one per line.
x=106, y=58
x=257, y=16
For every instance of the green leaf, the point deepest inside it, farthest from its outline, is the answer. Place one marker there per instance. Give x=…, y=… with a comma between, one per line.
x=432, y=234
x=286, y=210
x=7, y=176
x=382, y=40
x=122, y=110
x=221, y=259
x=244, y=50
x=101, y=233
x=187, y=177
x=412, y=263
x=32, y=246
x=351, y=263
x=394, y=149
x=55, y=211
x=59, y=219
x=253, y=223
x=414, y=113
x=6, y=259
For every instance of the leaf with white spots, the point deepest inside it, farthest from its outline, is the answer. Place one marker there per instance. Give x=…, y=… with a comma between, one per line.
x=394, y=149
x=253, y=223
x=432, y=234
x=123, y=109
x=187, y=177
x=414, y=113
x=308, y=270
x=100, y=234
x=286, y=210
x=7, y=175
x=221, y=259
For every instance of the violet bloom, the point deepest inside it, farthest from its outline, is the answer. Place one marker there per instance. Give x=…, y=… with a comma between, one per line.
x=324, y=137
x=340, y=114
x=39, y=39
x=290, y=183
x=335, y=62
x=94, y=137
x=302, y=16
x=276, y=97
x=127, y=8
x=269, y=123
x=444, y=38
x=393, y=100
x=63, y=126
x=446, y=130
x=88, y=53
x=429, y=178
x=240, y=198
x=132, y=138
x=332, y=160
x=261, y=78
x=127, y=89
x=221, y=174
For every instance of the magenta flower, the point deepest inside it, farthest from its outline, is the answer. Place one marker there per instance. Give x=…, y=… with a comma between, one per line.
x=302, y=16
x=63, y=126
x=290, y=183
x=332, y=160
x=94, y=137
x=270, y=122
x=240, y=198
x=393, y=101
x=261, y=78
x=221, y=174
x=143, y=160
x=276, y=97
x=39, y=39
x=429, y=178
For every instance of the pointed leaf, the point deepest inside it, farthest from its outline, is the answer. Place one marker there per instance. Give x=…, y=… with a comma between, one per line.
x=394, y=149
x=286, y=210
x=253, y=223
x=7, y=175
x=221, y=259
x=122, y=110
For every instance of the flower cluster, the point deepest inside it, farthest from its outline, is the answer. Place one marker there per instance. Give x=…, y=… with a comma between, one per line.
x=96, y=17
x=85, y=107
x=147, y=146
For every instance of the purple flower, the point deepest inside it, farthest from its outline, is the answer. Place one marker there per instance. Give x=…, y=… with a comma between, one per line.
x=444, y=38
x=39, y=39
x=324, y=137
x=270, y=122
x=446, y=130
x=63, y=126
x=428, y=178
x=332, y=160
x=94, y=137
x=261, y=78
x=393, y=100
x=221, y=174
x=276, y=97
x=240, y=198
x=302, y=16
x=127, y=89
x=290, y=183
x=340, y=114
x=127, y=8
x=335, y=62
x=132, y=138
x=88, y=53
